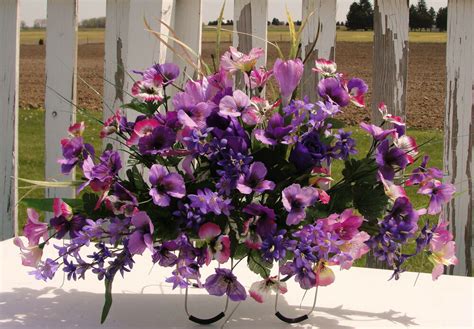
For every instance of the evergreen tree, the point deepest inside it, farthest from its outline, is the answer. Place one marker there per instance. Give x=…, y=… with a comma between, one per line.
x=360, y=16
x=442, y=19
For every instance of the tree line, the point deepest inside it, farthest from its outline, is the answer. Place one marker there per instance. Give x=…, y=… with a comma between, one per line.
x=361, y=16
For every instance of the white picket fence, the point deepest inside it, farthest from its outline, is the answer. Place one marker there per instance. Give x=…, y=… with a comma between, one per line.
x=128, y=46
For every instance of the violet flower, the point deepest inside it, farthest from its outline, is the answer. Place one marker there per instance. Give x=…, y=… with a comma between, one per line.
x=439, y=194
x=309, y=152
x=254, y=180
x=390, y=158
x=142, y=236
x=165, y=185
x=224, y=282
x=295, y=200
x=160, y=139
x=333, y=90
x=275, y=132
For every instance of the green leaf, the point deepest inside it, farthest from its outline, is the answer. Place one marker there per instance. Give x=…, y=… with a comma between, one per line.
x=108, y=300
x=258, y=265
x=336, y=124
x=47, y=204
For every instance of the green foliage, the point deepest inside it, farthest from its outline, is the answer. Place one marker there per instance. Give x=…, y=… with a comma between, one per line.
x=258, y=265
x=442, y=19
x=47, y=204
x=108, y=300
x=420, y=17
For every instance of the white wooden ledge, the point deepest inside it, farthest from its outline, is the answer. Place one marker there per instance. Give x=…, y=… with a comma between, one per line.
x=359, y=298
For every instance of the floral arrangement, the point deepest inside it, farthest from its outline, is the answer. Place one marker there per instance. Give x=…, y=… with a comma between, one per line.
x=217, y=173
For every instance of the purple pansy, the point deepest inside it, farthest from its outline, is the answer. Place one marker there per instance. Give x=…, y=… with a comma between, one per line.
x=165, y=185
x=160, y=139
x=167, y=73
x=295, y=200
x=142, y=236
x=254, y=180
x=332, y=89
x=224, y=282
x=389, y=159
x=439, y=194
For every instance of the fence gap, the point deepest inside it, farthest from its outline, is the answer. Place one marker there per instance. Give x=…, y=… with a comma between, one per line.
x=60, y=97
x=324, y=18
x=9, y=59
x=390, y=63
x=459, y=130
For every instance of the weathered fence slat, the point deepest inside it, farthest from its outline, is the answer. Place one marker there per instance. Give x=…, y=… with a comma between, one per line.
x=459, y=129
x=187, y=21
x=60, y=97
x=324, y=19
x=390, y=64
x=128, y=47
x=9, y=61
x=250, y=17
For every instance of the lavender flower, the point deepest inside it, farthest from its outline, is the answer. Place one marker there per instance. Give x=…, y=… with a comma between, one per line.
x=295, y=200
x=439, y=194
x=142, y=236
x=389, y=159
x=225, y=282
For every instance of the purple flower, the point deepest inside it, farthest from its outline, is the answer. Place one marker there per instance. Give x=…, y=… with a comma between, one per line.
x=439, y=193
x=332, y=89
x=274, y=247
x=165, y=185
x=142, y=237
x=275, y=132
x=344, y=146
x=233, y=106
x=117, y=228
x=207, y=201
x=357, y=89
x=160, y=139
x=423, y=173
x=64, y=225
x=310, y=152
x=254, y=180
x=101, y=176
x=288, y=75
x=225, y=282
x=45, y=270
x=295, y=200
x=390, y=158
x=177, y=280
x=72, y=149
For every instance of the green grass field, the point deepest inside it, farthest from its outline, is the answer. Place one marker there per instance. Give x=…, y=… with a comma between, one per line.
x=31, y=162
x=275, y=34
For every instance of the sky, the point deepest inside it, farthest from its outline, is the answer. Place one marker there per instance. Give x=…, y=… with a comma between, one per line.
x=33, y=9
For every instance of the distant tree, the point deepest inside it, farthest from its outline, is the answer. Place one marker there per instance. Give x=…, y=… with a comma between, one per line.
x=23, y=25
x=212, y=23
x=360, y=16
x=276, y=21
x=413, y=18
x=442, y=19
x=420, y=17
x=96, y=22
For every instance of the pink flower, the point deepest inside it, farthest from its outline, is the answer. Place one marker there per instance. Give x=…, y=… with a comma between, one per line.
x=147, y=90
x=393, y=191
x=77, y=129
x=30, y=255
x=377, y=132
x=288, y=75
x=142, y=128
x=112, y=124
x=325, y=67
x=407, y=144
x=61, y=208
x=324, y=275
x=346, y=225
x=233, y=60
x=443, y=249
x=258, y=77
x=439, y=194
x=34, y=229
x=352, y=250
x=261, y=289
x=218, y=246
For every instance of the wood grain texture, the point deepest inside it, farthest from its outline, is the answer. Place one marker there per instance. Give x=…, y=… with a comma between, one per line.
x=324, y=18
x=187, y=23
x=60, y=97
x=459, y=130
x=9, y=61
x=390, y=65
x=128, y=47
